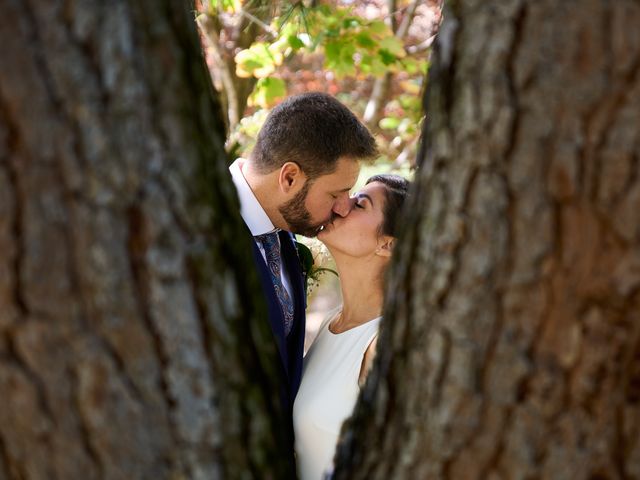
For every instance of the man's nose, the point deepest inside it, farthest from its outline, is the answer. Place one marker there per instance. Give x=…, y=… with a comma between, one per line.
x=343, y=205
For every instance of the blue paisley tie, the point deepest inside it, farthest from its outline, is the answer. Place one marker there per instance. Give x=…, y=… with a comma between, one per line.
x=271, y=244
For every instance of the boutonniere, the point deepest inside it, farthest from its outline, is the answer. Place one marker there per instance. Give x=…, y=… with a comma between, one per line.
x=314, y=257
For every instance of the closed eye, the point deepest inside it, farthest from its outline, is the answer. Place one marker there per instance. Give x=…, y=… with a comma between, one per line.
x=361, y=198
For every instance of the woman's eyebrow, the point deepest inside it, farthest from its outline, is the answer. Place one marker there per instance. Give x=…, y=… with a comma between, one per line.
x=360, y=195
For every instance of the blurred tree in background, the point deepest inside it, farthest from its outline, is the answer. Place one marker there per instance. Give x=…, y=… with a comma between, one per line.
x=372, y=55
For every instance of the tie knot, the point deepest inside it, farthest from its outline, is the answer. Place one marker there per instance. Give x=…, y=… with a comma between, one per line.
x=270, y=242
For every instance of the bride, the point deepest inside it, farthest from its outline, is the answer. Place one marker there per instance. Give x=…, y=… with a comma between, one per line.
x=341, y=355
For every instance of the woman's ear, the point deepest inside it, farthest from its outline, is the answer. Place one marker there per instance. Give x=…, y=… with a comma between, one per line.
x=291, y=177
x=385, y=246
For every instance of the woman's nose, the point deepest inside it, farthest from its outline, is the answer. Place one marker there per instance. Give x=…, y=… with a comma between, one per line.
x=343, y=206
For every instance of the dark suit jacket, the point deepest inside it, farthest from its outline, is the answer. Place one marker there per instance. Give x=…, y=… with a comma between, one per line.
x=291, y=347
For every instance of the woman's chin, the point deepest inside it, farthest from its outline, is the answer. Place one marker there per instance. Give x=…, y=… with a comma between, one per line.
x=325, y=233
x=327, y=227
x=326, y=241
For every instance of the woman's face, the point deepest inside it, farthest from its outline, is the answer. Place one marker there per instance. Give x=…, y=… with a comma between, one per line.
x=357, y=234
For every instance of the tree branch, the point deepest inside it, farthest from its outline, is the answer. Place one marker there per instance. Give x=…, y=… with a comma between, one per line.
x=228, y=90
x=380, y=89
x=260, y=23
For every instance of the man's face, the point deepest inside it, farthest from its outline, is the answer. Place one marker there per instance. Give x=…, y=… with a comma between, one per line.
x=321, y=199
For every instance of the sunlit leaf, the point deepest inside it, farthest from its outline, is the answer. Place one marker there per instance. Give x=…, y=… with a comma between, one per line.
x=260, y=60
x=413, y=65
x=267, y=91
x=332, y=52
x=389, y=123
x=226, y=5
x=393, y=45
x=325, y=10
x=379, y=27
x=386, y=56
x=364, y=40
x=351, y=22
x=371, y=65
x=411, y=102
x=295, y=42
x=365, y=63
x=339, y=58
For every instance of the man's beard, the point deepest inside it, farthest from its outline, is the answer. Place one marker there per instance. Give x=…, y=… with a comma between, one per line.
x=297, y=216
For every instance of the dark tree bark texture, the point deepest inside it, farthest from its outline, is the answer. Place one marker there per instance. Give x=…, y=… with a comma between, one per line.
x=511, y=342
x=131, y=344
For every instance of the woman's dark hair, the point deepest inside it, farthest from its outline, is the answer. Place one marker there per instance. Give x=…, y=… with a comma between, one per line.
x=314, y=130
x=397, y=188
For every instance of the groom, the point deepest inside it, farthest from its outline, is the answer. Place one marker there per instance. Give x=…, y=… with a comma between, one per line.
x=305, y=161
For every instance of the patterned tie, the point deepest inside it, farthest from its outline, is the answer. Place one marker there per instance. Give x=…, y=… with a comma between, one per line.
x=271, y=244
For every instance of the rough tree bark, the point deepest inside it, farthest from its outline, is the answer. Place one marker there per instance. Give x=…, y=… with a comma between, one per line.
x=511, y=342
x=130, y=341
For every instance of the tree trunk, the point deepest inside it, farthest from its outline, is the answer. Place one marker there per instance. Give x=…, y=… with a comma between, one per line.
x=233, y=90
x=132, y=344
x=511, y=342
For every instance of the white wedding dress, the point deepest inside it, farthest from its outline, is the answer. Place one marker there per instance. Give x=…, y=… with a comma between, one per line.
x=327, y=394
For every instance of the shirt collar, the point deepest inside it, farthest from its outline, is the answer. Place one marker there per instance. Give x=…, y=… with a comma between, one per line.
x=251, y=211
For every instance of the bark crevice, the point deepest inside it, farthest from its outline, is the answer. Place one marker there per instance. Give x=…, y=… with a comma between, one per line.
x=92, y=452
x=13, y=175
x=12, y=469
x=137, y=248
x=519, y=27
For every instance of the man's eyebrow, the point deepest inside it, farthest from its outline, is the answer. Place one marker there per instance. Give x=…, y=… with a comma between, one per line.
x=343, y=190
x=360, y=195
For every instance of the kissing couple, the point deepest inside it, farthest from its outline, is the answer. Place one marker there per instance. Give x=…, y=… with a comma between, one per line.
x=298, y=180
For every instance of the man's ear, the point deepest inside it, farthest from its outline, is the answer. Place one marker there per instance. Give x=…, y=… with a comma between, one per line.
x=291, y=177
x=385, y=246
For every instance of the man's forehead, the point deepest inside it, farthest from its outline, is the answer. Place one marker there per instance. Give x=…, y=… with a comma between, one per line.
x=339, y=183
x=345, y=175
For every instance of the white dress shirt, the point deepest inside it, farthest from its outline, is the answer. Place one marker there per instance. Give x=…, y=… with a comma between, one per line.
x=254, y=215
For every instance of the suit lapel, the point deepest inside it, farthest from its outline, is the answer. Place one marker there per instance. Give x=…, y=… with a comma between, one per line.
x=291, y=347
x=294, y=269
x=295, y=341
x=275, y=317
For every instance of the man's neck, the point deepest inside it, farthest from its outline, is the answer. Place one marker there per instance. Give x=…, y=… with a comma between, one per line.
x=264, y=187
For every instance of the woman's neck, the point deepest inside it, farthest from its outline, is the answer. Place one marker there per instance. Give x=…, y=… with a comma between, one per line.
x=362, y=291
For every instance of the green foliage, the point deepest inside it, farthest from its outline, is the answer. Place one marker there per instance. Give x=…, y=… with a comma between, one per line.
x=260, y=60
x=414, y=66
x=267, y=91
x=295, y=43
x=390, y=123
x=348, y=45
x=226, y=5
x=405, y=123
x=242, y=138
x=351, y=44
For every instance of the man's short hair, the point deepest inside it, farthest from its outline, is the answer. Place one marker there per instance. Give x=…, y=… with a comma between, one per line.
x=313, y=130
